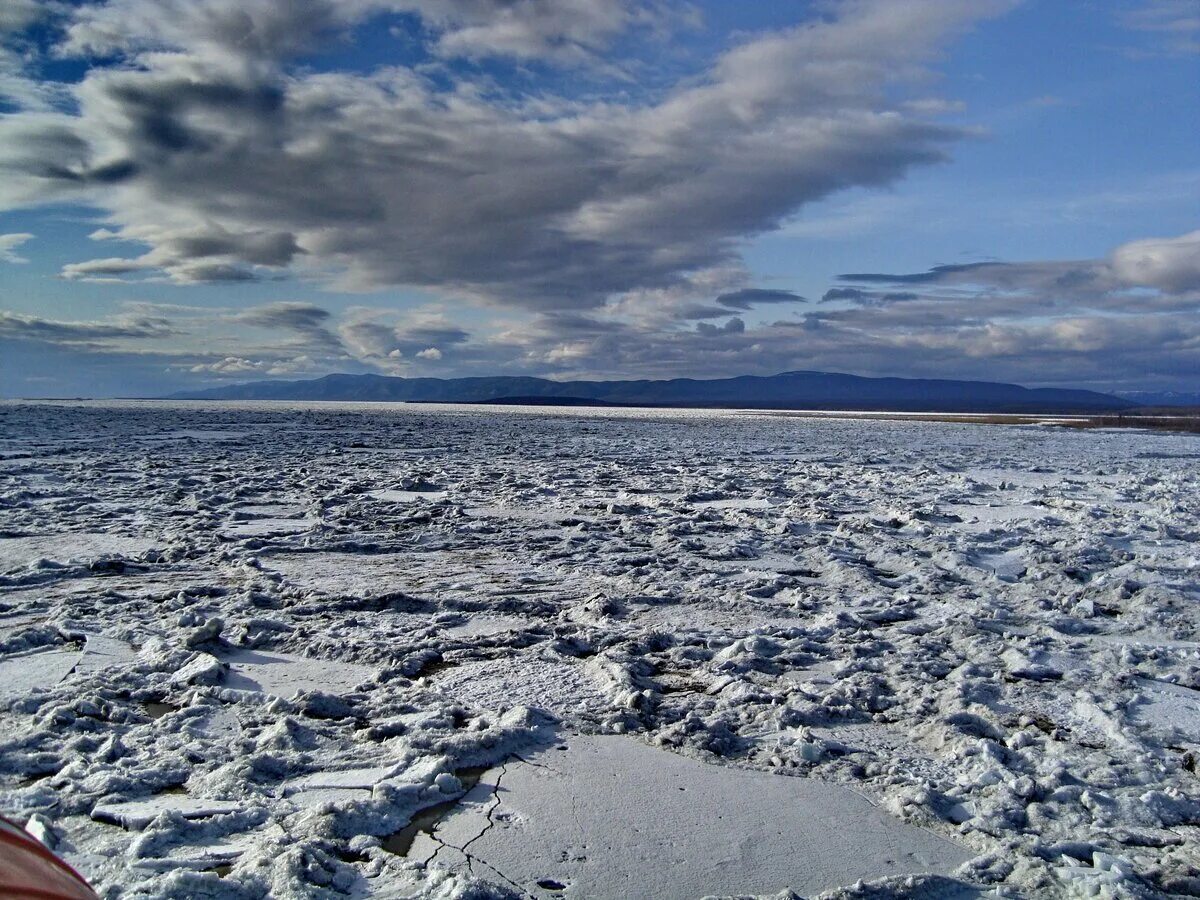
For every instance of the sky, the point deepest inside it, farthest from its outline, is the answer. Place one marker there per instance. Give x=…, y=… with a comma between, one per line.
x=200, y=192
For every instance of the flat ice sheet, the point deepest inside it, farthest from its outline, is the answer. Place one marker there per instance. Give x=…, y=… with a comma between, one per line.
x=530, y=681
x=138, y=814
x=42, y=670
x=283, y=674
x=1169, y=707
x=19, y=552
x=611, y=817
x=267, y=526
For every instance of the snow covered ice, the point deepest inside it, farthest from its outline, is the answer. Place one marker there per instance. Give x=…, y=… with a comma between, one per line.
x=419, y=651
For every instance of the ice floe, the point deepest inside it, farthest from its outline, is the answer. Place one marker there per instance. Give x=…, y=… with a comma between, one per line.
x=308, y=650
x=609, y=817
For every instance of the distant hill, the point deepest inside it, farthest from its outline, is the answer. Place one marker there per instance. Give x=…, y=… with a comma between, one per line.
x=790, y=390
x=1161, y=398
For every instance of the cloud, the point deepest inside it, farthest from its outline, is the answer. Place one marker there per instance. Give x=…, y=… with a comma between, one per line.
x=565, y=32
x=8, y=245
x=1126, y=319
x=306, y=320
x=852, y=295
x=1039, y=322
x=36, y=328
x=209, y=143
x=859, y=297
x=236, y=368
x=17, y=86
x=962, y=272
x=747, y=298
x=100, y=269
x=17, y=15
x=560, y=31
x=230, y=365
x=303, y=317
x=370, y=338
x=1174, y=25
x=208, y=253
x=1169, y=264
x=733, y=326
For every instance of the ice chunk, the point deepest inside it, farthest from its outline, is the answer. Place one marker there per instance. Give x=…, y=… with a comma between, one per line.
x=1168, y=706
x=612, y=817
x=41, y=670
x=137, y=814
x=283, y=674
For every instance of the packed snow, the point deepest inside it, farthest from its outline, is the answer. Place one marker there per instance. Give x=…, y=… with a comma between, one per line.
x=252, y=650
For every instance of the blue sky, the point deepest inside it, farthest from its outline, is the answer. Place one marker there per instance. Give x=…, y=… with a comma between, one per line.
x=205, y=191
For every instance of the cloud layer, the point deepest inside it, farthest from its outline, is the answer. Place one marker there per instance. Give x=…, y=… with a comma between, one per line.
x=204, y=139
x=1128, y=320
x=528, y=158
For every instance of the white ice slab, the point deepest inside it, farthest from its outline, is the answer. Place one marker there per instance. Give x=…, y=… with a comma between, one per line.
x=1007, y=565
x=137, y=814
x=362, y=778
x=10, y=625
x=979, y=517
x=336, y=787
x=200, y=434
x=520, y=681
x=734, y=503
x=1168, y=706
x=101, y=652
x=200, y=856
x=480, y=626
x=282, y=674
x=398, y=496
x=524, y=514
x=41, y=670
x=20, y=552
x=612, y=817
x=268, y=526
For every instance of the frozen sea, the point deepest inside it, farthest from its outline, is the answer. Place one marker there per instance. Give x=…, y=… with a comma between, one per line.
x=375, y=650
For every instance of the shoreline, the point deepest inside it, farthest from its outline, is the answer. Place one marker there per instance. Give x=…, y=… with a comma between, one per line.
x=1185, y=421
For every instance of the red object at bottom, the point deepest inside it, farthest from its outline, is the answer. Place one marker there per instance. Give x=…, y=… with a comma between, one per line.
x=29, y=870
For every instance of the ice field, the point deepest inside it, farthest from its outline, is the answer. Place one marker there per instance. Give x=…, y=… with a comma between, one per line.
x=253, y=650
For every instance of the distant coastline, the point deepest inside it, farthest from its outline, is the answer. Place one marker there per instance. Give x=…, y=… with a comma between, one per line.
x=783, y=392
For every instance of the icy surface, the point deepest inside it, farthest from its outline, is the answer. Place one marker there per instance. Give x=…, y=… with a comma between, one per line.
x=264, y=650
x=609, y=817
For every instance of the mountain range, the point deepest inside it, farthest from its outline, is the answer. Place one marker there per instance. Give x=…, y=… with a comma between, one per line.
x=789, y=390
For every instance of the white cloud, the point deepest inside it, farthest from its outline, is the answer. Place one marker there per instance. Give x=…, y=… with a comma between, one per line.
x=1171, y=264
x=1173, y=25
x=230, y=365
x=205, y=146
x=1128, y=319
x=9, y=244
